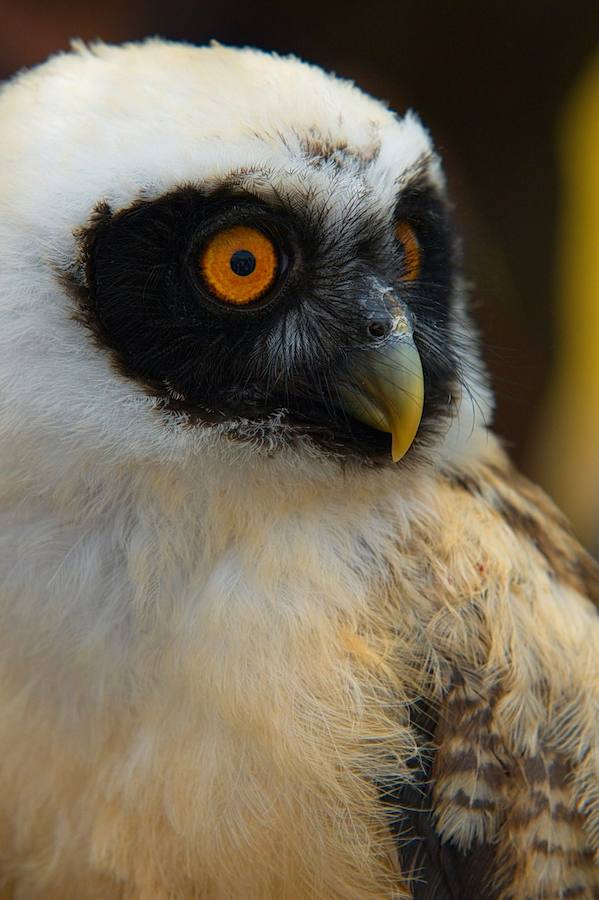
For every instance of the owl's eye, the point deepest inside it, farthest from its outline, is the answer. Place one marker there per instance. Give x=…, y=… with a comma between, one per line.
x=239, y=264
x=412, y=254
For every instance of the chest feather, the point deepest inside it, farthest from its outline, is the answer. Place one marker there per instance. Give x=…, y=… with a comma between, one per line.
x=209, y=720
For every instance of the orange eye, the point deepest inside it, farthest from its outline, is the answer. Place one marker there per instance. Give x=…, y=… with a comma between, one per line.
x=239, y=264
x=412, y=254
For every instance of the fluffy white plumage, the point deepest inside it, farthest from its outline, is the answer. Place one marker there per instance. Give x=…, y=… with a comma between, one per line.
x=116, y=123
x=177, y=718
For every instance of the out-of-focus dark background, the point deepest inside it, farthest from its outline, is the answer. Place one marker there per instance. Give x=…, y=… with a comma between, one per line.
x=511, y=94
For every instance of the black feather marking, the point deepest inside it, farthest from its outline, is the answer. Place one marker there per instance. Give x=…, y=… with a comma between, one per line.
x=139, y=292
x=437, y=870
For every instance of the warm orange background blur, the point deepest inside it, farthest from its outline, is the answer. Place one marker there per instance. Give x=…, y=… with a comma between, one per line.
x=510, y=92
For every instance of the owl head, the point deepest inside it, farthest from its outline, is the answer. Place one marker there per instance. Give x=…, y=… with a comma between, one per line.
x=222, y=254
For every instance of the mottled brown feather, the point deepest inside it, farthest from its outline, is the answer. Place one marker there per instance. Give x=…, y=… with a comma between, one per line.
x=522, y=806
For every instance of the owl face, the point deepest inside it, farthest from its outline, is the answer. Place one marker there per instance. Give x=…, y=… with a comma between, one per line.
x=212, y=249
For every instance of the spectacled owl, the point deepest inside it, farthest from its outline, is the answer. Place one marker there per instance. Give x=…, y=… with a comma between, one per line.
x=278, y=618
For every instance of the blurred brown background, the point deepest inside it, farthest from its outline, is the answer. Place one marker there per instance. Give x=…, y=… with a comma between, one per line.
x=496, y=83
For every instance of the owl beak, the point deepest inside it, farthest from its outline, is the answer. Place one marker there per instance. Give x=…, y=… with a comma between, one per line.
x=385, y=389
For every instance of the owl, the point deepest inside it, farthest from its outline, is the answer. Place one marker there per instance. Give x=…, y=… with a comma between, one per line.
x=278, y=618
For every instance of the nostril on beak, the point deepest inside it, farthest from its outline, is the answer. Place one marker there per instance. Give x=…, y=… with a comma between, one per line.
x=380, y=328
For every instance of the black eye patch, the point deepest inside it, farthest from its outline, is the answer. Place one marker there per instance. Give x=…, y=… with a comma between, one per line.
x=143, y=295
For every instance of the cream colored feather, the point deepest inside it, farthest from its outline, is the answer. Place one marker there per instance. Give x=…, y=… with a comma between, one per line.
x=209, y=650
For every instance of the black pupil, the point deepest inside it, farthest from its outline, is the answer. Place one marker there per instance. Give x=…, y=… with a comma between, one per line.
x=243, y=262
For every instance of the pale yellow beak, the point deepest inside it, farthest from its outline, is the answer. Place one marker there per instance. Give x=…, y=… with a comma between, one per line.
x=386, y=388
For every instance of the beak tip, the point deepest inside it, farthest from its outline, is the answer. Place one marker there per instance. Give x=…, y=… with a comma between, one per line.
x=398, y=448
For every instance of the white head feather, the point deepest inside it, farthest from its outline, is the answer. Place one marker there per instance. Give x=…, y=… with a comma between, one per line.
x=118, y=123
